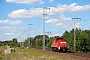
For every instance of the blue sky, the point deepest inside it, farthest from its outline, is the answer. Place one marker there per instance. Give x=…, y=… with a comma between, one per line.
x=15, y=15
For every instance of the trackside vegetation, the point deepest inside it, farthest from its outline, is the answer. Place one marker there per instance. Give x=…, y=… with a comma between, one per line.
x=82, y=40
x=21, y=53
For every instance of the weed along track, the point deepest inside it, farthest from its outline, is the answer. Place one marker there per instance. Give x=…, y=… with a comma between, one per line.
x=73, y=55
x=31, y=53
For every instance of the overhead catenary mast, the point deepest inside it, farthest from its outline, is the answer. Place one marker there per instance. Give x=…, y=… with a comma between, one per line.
x=75, y=32
x=29, y=34
x=44, y=15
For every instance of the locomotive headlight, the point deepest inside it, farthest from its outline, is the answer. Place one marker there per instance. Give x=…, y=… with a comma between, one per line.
x=59, y=48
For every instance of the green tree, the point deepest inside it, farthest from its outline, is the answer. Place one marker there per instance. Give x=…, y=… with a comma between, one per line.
x=14, y=43
x=50, y=42
x=39, y=40
x=82, y=39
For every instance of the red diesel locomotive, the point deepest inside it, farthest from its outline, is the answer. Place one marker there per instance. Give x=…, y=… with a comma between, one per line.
x=59, y=44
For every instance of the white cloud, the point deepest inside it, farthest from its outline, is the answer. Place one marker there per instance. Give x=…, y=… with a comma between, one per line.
x=26, y=1
x=68, y=8
x=55, y=22
x=59, y=9
x=62, y=17
x=70, y=25
x=51, y=0
x=10, y=34
x=55, y=35
x=5, y=28
x=11, y=22
x=8, y=29
x=22, y=13
x=64, y=22
x=59, y=21
x=74, y=8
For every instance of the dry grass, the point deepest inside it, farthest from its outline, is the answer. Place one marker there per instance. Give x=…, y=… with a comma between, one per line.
x=32, y=54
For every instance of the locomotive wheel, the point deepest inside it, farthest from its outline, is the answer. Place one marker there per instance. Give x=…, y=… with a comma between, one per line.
x=54, y=49
x=59, y=50
x=65, y=50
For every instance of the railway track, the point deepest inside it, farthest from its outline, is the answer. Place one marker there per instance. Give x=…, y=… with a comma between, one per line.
x=77, y=55
x=80, y=55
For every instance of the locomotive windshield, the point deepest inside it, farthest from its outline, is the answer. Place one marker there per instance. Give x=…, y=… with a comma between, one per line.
x=57, y=38
x=61, y=38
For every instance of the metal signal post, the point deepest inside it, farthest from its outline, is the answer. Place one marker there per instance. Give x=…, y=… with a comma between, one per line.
x=29, y=34
x=75, y=32
x=44, y=15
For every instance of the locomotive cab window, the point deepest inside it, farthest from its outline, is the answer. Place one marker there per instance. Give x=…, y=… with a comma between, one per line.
x=57, y=38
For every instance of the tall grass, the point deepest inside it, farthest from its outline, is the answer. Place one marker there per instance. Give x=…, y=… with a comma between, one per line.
x=33, y=54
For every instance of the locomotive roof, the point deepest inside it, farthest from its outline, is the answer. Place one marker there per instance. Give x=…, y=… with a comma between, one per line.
x=59, y=38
